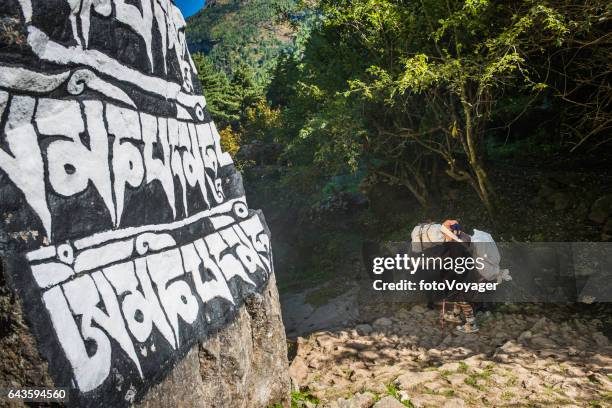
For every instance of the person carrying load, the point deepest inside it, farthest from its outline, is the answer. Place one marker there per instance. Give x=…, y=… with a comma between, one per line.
x=447, y=240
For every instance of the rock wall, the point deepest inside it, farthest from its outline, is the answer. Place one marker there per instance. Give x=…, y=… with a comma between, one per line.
x=250, y=373
x=133, y=270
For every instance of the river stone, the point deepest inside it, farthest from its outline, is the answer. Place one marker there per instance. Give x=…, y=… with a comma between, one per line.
x=133, y=271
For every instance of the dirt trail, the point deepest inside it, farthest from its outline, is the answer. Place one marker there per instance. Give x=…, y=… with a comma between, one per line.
x=526, y=356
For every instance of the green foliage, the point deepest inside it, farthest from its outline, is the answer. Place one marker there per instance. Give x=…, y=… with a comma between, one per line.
x=417, y=95
x=222, y=101
x=261, y=122
x=230, y=141
x=234, y=32
x=393, y=391
x=229, y=100
x=344, y=182
x=439, y=88
x=244, y=86
x=298, y=397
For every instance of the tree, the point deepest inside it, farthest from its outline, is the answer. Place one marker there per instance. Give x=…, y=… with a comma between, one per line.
x=223, y=102
x=245, y=88
x=440, y=66
x=579, y=72
x=261, y=122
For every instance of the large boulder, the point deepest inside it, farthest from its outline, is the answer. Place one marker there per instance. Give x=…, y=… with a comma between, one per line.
x=133, y=271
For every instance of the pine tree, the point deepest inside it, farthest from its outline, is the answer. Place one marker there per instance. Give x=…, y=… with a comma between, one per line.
x=223, y=102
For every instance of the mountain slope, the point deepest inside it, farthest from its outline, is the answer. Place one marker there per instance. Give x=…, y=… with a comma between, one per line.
x=236, y=32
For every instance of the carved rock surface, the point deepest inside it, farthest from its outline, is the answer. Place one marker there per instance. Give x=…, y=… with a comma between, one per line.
x=133, y=271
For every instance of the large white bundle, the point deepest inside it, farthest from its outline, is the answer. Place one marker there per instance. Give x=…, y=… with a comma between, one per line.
x=484, y=247
x=425, y=236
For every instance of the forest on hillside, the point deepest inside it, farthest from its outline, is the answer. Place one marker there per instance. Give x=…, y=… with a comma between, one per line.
x=235, y=33
x=380, y=114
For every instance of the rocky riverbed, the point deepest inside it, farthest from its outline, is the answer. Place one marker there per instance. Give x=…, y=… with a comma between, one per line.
x=523, y=356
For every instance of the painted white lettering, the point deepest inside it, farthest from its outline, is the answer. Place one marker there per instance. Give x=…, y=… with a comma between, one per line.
x=175, y=295
x=128, y=167
x=24, y=163
x=89, y=372
x=141, y=311
x=227, y=261
x=197, y=259
x=83, y=297
x=155, y=133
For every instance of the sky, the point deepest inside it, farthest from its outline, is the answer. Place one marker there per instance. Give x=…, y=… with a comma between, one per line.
x=189, y=7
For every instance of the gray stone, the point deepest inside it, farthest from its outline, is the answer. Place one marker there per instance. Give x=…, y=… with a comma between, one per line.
x=298, y=370
x=362, y=400
x=526, y=335
x=454, y=403
x=382, y=322
x=245, y=364
x=363, y=329
x=301, y=318
x=418, y=310
x=413, y=378
x=600, y=339
x=389, y=402
x=456, y=380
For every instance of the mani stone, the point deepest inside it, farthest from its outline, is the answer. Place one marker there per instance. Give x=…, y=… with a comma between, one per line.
x=132, y=271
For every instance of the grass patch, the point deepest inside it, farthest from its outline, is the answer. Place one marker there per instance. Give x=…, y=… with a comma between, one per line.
x=473, y=378
x=449, y=393
x=607, y=396
x=486, y=373
x=473, y=382
x=393, y=391
x=507, y=395
x=548, y=390
x=348, y=372
x=302, y=396
x=471, y=400
x=463, y=367
x=512, y=380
